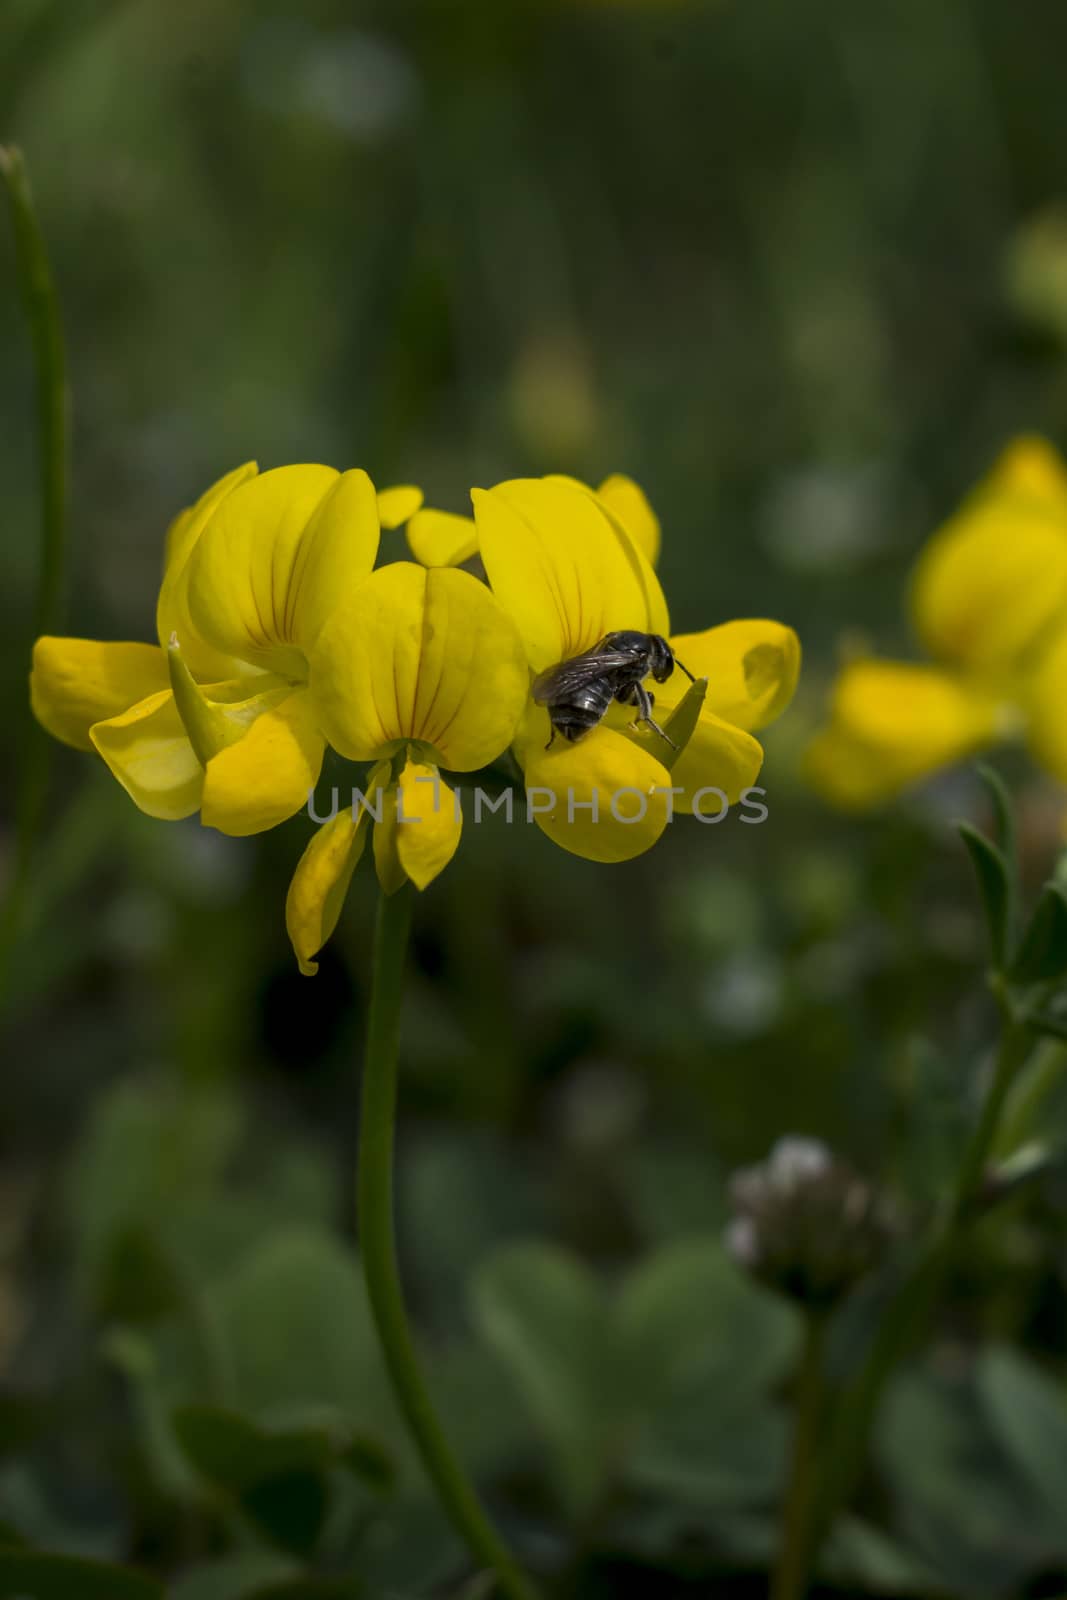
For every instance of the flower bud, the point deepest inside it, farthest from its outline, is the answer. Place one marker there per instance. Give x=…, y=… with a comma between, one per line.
x=806, y=1223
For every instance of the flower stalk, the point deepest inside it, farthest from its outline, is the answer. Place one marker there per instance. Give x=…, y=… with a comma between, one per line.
x=46, y=333
x=790, y=1572
x=856, y=1409
x=377, y=1235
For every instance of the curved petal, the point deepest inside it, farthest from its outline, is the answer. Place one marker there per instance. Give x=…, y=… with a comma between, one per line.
x=563, y=567
x=172, y=616
x=751, y=667
x=429, y=823
x=894, y=723
x=75, y=683
x=991, y=580
x=275, y=559
x=398, y=505
x=627, y=501
x=147, y=750
x=425, y=655
x=267, y=775
x=442, y=539
x=320, y=883
x=604, y=798
x=718, y=764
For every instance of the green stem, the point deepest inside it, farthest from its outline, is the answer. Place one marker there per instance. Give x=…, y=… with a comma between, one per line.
x=790, y=1575
x=910, y=1310
x=46, y=333
x=378, y=1249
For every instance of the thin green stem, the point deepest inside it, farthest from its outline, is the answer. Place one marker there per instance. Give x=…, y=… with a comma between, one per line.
x=790, y=1574
x=46, y=334
x=377, y=1238
x=857, y=1407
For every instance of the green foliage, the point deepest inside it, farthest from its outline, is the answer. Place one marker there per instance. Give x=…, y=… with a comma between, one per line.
x=36, y=1576
x=643, y=1384
x=995, y=885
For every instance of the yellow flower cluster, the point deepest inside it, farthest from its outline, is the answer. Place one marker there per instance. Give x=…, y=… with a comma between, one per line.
x=988, y=601
x=279, y=636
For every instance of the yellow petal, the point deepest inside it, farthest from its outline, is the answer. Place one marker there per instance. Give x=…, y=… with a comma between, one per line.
x=320, y=883
x=420, y=654
x=894, y=723
x=562, y=566
x=387, y=863
x=1029, y=466
x=629, y=503
x=398, y=505
x=428, y=823
x=442, y=539
x=990, y=581
x=718, y=764
x=603, y=798
x=77, y=682
x=751, y=668
x=267, y=775
x=147, y=749
x=172, y=615
x=275, y=559
x=1045, y=699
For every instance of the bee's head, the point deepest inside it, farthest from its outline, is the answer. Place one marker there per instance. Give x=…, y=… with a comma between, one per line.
x=660, y=658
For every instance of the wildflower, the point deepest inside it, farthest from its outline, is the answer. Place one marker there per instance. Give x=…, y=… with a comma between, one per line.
x=217, y=717
x=989, y=603
x=805, y=1223
x=568, y=569
x=416, y=670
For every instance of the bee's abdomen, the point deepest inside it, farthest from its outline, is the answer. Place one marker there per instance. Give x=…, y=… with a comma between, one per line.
x=573, y=721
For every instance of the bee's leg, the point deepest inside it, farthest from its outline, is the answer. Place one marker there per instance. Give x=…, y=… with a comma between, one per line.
x=644, y=700
x=551, y=737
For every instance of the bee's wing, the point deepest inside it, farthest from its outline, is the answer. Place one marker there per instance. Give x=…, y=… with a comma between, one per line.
x=567, y=677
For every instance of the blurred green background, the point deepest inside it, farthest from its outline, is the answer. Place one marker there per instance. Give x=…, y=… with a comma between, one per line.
x=799, y=269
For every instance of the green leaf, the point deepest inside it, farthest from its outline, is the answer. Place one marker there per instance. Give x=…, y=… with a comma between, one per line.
x=683, y=1315
x=681, y=724
x=607, y=1379
x=958, y=1501
x=1025, y=1166
x=935, y=1123
x=1029, y=1413
x=234, y=1453
x=370, y=1462
x=278, y=1477
x=233, y=1577
x=299, y=1334
x=1044, y=1022
x=546, y=1318
x=34, y=1576
x=1003, y=812
x=1043, y=951
x=994, y=885
x=864, y=1557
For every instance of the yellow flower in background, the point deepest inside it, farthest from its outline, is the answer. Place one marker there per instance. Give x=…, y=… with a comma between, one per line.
x=568, y=570
x=417, y=669
x=217, y=717
x=988, y=600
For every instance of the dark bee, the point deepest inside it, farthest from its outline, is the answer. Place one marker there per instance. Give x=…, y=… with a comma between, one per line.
x=578, y=692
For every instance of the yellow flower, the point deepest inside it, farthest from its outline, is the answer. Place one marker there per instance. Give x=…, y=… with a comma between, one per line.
x=416, y=670
x=569, y=566
x=217, y=717
x=989, y=602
